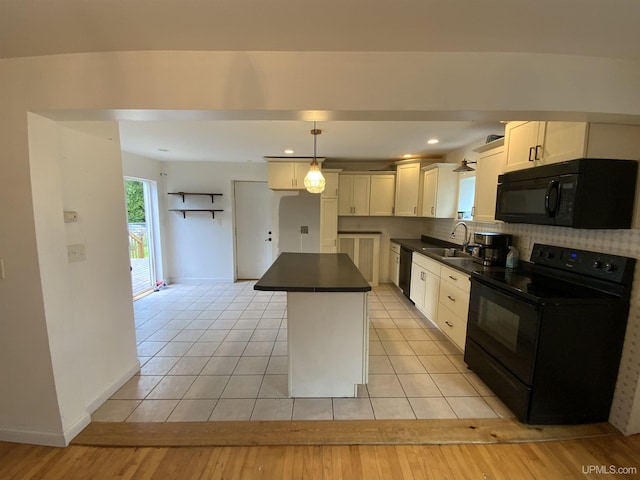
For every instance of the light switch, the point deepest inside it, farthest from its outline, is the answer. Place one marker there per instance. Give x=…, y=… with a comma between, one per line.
x=304, y=229
x=76, y=253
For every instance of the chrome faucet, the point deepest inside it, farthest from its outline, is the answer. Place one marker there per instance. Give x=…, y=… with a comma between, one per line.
x=465, y=242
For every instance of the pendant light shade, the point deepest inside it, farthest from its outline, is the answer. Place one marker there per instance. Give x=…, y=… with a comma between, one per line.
x=464, y=166
x=314, y=181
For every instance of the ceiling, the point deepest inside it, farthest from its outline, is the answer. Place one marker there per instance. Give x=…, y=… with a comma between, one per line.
x=251, y=140
x=606, y=28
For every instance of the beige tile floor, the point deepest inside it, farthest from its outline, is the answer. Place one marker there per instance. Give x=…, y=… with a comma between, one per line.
x=218, y=352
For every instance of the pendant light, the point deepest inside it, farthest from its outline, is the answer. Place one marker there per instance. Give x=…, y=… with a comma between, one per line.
x=314, y=181
x=464, y=166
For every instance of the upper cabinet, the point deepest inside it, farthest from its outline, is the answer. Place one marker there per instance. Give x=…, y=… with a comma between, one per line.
x=490, y=164
x=407, y=189
x=529, y=144
x=440, y=190
x=284, y=175
x=382, y=199
x=353, y=194
x=331, y=185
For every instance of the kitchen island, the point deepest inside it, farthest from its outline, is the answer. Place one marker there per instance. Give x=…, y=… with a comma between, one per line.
x=327, y=322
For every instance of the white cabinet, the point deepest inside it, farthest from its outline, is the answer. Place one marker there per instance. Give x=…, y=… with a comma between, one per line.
x=440, y=190
x=529, y=144
x=491, y=163
x=353, y=194
x=328, y=225
x=453, y=304
x=394, y=263
x=382, y=195
x=407, y=189
x=287, y=175
x=425, y=281
x=364, y=251
x=331, y=185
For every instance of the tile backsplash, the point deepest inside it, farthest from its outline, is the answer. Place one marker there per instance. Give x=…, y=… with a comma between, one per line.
x=626, y=407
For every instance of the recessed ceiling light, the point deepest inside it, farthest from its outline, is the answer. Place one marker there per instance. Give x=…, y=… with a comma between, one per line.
x=433, y=141
x=407, y=155
x=163, y=149
x=288, y=151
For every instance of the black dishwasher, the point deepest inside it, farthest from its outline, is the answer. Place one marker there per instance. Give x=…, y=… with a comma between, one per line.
x=404, y=281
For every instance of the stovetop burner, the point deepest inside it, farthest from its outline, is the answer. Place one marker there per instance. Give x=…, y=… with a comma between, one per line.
x=558, y=274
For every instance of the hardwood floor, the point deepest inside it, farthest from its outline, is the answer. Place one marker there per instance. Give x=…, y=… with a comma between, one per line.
x=569, y=459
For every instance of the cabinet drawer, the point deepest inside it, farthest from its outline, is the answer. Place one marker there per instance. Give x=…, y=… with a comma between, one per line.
x=394, y=247
x=452, y=326
x=454, y=298
x=426, y=263
x=455, y=277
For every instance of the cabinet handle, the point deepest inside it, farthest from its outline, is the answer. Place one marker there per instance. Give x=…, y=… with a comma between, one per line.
x=455, y=279
x=432, y=210
x=537, y=147
x=451, y=298
x=421, y=275
x=449, y=324
x=415, y=210
x=531, y=150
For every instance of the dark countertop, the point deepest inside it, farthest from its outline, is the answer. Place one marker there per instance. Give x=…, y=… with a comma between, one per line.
x=418, y=245
x=313, y=272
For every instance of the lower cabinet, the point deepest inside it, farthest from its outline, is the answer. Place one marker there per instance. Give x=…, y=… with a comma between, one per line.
x=442, y=294
x=453, y=305
x=364, y=251
x=425, y=285
x=394, y=263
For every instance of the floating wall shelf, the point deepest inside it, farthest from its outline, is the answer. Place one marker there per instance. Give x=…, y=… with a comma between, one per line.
x=185, y=210
x=183, y=194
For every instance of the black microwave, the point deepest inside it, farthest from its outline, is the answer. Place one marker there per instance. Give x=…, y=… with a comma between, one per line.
x=581, y=193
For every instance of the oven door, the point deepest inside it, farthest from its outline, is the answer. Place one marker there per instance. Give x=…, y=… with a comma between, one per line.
x=536, y=200
x=505, y=326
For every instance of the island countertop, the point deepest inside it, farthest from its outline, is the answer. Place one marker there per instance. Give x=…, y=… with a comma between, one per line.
x=313, y=272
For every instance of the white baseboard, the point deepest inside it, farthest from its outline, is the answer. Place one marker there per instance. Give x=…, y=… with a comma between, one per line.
x=63, y=438
x=193, y=280
x=113, y=387
x=33, y=437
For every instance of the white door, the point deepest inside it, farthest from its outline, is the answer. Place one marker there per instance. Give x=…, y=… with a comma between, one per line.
x=253, y=229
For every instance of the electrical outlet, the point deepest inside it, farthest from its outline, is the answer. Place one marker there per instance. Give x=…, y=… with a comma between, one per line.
x=70, y=217
x=304, y=229
x=76, y=253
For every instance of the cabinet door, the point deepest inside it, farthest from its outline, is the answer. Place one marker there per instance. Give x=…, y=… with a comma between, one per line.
x=521, y=138
x=360, y=194
x=564, y=141
x=280, y=175
x=328, y=225
x=300, y=171
x=490, y=165
x=394, y=267
x=331, y=185
x=366, y=258
x=345, y=188
x=382, y=196
x=430, y=194
x=431, y=295
x=418, y=282
x=407, y=190
x=347, y=245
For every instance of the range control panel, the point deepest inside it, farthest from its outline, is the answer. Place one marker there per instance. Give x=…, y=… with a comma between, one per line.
x=613, y=268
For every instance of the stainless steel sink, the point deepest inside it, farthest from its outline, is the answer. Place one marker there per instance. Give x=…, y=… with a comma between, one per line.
x=448, y=253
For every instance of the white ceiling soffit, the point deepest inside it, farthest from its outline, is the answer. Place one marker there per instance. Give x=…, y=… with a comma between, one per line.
x=252, y=140
x=606, y=28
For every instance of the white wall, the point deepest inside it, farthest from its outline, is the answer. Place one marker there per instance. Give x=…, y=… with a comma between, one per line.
x=81, y=86
x=89, y=313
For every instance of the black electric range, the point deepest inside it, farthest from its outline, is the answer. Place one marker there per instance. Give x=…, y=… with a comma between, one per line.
x=547, y=338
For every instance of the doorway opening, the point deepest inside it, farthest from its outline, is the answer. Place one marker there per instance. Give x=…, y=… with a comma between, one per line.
x=140, y=226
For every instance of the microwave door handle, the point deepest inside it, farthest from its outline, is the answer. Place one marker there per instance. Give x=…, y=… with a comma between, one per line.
x=551, y=207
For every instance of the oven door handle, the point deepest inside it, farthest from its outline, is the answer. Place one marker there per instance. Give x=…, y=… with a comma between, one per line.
x=551, y=198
